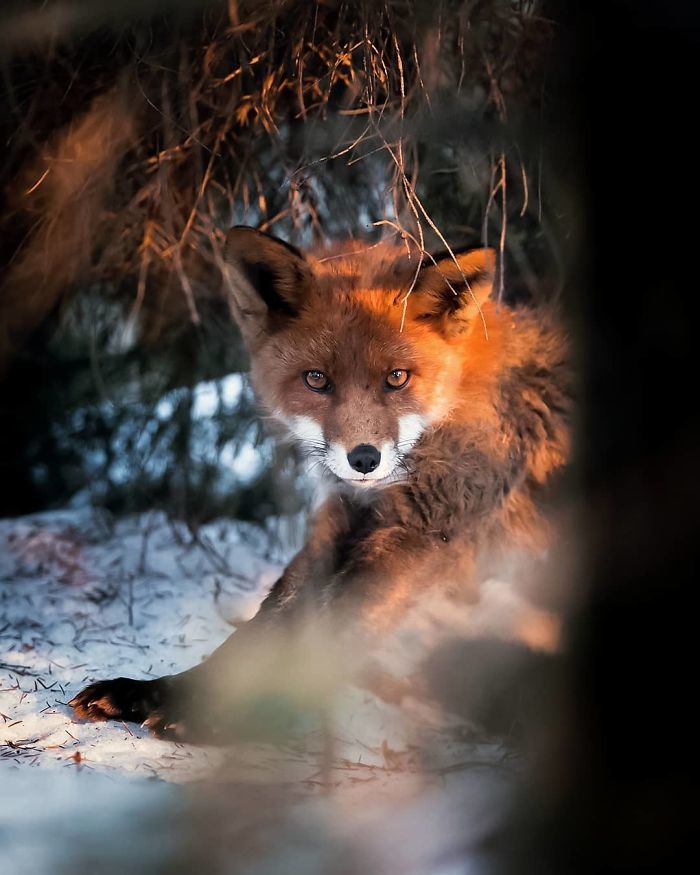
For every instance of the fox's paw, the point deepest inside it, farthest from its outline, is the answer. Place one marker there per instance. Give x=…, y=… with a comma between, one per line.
x=162, y=706
x=122, y=699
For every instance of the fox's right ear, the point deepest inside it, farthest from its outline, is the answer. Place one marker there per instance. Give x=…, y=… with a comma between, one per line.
x=266, y=279
x=451, y=290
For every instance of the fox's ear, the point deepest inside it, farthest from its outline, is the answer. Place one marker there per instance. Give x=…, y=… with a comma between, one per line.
x=266, y=277
x=450, y=290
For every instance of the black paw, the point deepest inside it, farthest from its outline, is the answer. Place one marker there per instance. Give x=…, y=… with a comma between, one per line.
x=125, y=699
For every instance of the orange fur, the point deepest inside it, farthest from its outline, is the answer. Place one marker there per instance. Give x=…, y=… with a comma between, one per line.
x=428, y=475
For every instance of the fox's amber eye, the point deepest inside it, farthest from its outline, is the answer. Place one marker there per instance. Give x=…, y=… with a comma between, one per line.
x=397, y=378
x=317, y=381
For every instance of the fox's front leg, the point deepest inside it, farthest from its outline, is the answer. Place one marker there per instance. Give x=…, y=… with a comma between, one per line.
x=357, y=574
x=189, y=705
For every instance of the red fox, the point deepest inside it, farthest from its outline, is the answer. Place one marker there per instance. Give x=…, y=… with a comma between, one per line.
x=436, y=415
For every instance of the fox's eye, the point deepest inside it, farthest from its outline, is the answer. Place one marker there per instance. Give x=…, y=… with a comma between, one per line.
x=317, y=381
x=397, y=378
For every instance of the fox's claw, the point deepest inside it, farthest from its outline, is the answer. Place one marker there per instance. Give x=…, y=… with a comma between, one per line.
x=163, y=727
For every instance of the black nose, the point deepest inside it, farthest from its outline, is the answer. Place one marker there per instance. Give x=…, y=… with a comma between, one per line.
x=364, y=458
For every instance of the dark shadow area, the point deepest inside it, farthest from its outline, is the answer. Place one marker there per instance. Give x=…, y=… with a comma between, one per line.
x=614, y=792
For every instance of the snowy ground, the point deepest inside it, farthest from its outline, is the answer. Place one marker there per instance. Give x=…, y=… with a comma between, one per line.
x=84, y=598
x=80, y=601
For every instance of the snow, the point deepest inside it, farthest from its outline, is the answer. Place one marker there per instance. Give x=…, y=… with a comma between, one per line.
x=84, y=597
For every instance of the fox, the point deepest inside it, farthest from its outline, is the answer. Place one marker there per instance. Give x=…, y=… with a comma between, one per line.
x=437, y=418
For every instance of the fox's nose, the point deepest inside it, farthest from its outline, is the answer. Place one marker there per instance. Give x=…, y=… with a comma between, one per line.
x=364, y=458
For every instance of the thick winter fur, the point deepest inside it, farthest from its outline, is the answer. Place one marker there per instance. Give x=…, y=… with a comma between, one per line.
x=464, y=451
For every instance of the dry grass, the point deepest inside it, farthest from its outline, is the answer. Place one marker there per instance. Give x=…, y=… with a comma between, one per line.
x=138, y=143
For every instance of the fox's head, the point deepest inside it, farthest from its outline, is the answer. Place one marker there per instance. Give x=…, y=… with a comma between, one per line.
x=354, y=368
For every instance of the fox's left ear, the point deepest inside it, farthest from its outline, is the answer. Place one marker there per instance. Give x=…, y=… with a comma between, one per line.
x=266, y=277
x=450, y=291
